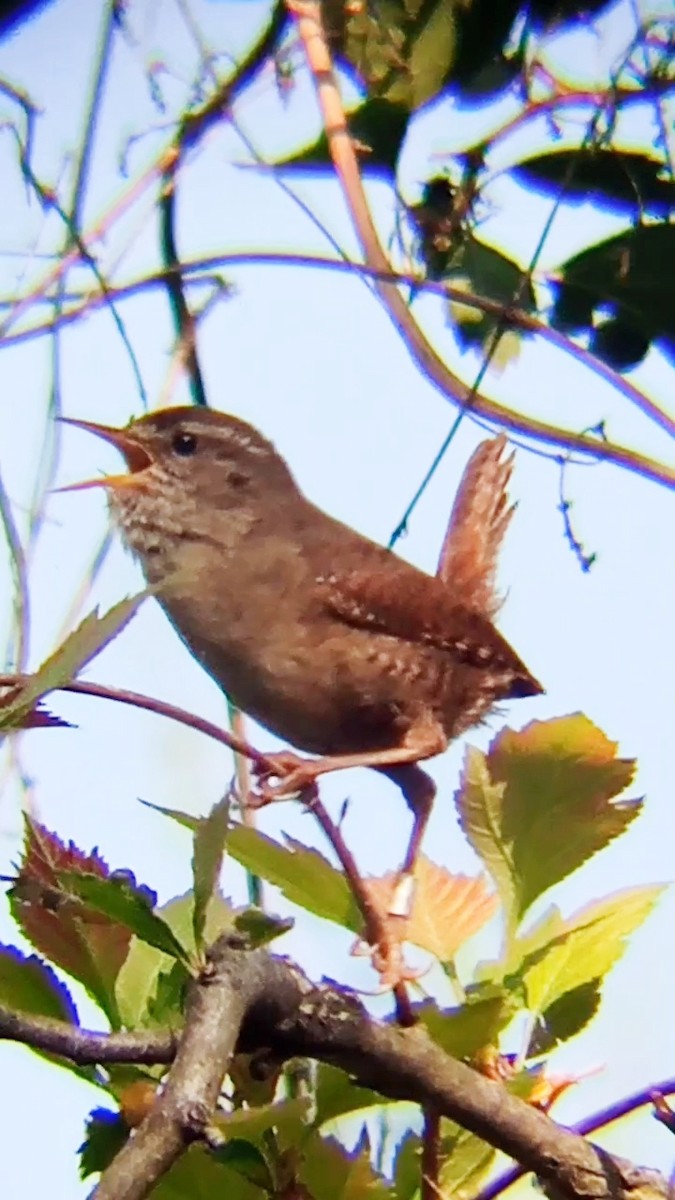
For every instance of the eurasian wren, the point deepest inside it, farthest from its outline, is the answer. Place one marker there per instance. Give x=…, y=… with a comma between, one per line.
x=324, y=637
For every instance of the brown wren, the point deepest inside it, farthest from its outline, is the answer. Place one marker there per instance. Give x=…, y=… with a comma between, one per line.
x=326, y=638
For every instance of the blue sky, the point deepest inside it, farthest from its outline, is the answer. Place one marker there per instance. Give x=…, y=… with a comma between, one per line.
x=310, y=358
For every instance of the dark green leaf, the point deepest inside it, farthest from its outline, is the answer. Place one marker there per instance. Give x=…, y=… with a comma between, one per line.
x=595, y=175
x=569, y=1014
x=378, y=128
x=492, y=275
x=247, y=1160
x=105, y=1134
x=259, y=927
x=633, y=274
x=30, y=985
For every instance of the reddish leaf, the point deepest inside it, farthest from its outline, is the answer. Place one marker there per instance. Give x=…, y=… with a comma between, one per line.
x=448, y=909
x=75, y=937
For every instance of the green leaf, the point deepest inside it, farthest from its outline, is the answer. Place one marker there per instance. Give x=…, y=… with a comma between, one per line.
x=584, y=947
x=139, y=988
x=464, y=1161
x=118, y=900
x=251, y=1123
x=105, y=1134
x=566, y=1017
x=541, y=803
x=304, y=876
x=181, y=818
x=207, y=857
x=260, y=928
x=337, y=1094
x=247, y=1160
x=198, y=1175
x=465, y=1030
x=30, y=985
x=330, y=1171
x=68, y=660
x=487, y=272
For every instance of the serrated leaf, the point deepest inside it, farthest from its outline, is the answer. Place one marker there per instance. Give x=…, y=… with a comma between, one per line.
x=125, y=905
x=67, y=660
x=207, y=856
x=304, y=876
x=447, y=909
x=568, y=1015
x=541, y=803
x=181, y=818
x=586, y=947
x=105, y=1134
x=67, y=931
x=38, y=718
x=30, y=985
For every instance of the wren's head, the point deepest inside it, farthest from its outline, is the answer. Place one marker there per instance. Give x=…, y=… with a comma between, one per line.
x=185, y=465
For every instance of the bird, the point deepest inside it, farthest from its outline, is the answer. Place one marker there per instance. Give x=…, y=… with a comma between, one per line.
x=329, y=640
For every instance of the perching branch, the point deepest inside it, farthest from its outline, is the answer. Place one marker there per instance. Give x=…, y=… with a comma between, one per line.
x=252, y=1000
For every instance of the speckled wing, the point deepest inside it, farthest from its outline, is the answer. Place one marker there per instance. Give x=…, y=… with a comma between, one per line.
x=479, y=519
x=418, y=609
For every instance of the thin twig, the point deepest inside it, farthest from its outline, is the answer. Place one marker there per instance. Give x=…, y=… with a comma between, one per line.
x=431, y=1136
x=378, y=933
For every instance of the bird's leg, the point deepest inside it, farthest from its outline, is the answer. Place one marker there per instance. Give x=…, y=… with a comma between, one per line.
x=398, y=763
x=423, y=740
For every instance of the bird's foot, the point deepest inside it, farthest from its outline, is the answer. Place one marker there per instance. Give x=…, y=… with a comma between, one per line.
x=295, y=776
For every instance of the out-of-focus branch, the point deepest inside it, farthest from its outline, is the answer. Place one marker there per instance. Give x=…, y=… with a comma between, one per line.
x=192, y=129
x=307, y=14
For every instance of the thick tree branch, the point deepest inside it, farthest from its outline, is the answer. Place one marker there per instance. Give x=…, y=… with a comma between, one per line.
x=255, y=1000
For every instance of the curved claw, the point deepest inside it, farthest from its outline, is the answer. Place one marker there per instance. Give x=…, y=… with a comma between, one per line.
x=295, y=776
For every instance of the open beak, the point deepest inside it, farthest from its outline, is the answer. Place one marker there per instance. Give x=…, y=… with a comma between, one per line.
x=137, y=457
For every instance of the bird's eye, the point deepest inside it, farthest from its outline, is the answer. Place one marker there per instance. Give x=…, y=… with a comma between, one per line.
x=183, y=443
